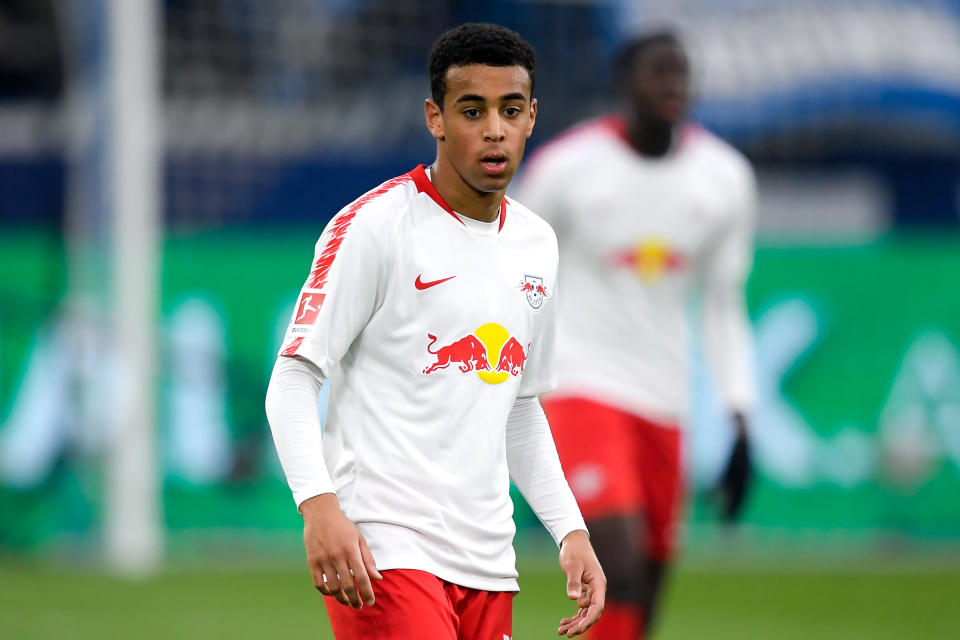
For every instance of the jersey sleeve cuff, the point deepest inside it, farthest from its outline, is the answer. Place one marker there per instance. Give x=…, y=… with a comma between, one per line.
x=302, y=495
x=570, y=524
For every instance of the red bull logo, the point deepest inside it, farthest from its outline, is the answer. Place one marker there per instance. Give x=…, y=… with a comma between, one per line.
x=474, y=352
x=512, y=358
x=468, y=353
x=532, y=287
x=650, y=258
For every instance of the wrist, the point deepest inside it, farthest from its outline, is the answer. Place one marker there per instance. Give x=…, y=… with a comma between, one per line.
x=575, y=536
x=319, y=505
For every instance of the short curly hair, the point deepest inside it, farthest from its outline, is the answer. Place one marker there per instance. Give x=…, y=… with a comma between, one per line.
x=477, y=43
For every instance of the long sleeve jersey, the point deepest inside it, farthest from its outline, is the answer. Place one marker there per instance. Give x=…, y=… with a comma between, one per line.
x=436, y=333
x=638, y=237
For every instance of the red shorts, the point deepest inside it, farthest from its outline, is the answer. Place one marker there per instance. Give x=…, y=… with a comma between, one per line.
x=417, y=604
x=619, y=463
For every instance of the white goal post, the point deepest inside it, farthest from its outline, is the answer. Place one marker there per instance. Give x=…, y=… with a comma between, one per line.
x=133, y=524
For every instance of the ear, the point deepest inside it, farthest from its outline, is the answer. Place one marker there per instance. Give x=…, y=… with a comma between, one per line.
x=434, y=118
x=533, y=116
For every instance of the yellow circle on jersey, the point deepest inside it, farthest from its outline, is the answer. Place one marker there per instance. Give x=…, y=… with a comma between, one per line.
x=650, y=258
x=493, y=337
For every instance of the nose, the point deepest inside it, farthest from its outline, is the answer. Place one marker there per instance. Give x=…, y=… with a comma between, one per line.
x=493, y=131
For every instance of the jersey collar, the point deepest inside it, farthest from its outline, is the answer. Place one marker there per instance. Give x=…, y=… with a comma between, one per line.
x=424, y=185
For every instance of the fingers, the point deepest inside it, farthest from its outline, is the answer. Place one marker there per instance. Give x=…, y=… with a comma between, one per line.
x=364, y=590
x=368, y=561
x=578, y=624
x=319, y=581
x=348, y=578
x=343, y=569
x=337, y=583
x=327, y=582
x=588, y=616
x=591, y=601
x=571, y=627
x=574, y=588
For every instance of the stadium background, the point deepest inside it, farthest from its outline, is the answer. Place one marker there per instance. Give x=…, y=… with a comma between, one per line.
x=276, y=114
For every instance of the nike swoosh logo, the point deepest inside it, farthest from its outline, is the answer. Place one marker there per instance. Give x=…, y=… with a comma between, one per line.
x=421, y=285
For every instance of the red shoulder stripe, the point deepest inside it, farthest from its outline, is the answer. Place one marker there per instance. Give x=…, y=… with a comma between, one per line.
x=291, y=349
x=338, y=230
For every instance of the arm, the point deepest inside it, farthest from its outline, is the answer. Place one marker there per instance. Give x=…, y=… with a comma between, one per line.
x=340, y=295
x=535, y=469
x=727, y=335
x=335, y=548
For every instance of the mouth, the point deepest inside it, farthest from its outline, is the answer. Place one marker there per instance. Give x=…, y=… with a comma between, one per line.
x=493, y=163
x=673, y=106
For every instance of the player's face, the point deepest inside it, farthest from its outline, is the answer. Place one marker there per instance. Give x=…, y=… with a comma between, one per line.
x=659, y=87
x=487, y=116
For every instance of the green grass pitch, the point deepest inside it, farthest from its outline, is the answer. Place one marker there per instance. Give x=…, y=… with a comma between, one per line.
x=762, y=603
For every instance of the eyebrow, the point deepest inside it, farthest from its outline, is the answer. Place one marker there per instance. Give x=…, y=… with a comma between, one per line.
x=472, y=97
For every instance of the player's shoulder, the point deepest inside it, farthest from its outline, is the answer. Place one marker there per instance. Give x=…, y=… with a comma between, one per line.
x=715, y=152
x=529, y=223
x=572, y=145
x=384, y=201
x=375, y=212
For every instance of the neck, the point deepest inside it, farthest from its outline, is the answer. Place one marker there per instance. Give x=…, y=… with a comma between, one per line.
x=651, y=137
x=462, y=198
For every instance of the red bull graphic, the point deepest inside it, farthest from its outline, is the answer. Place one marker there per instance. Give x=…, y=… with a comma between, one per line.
x=650, y=258
x=488, y=343
x=469, y=353
x=535, y=291
x=512, y=358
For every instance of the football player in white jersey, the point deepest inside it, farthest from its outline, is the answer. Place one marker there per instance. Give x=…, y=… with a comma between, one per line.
x=648, y=209
x=430, y=309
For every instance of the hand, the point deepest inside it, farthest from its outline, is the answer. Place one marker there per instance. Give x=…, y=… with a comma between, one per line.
x=735, y=480
x=336, y=550
x=585, y=583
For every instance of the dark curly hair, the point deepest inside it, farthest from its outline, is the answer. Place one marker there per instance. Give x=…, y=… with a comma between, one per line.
x=477, y=43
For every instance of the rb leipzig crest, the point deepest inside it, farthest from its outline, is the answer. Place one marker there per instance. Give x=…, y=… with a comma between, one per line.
x=536, y=293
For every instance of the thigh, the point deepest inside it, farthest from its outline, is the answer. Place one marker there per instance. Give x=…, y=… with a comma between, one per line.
x=482, y=615
x=409, y=604
x=594, y=444
x=659, y=449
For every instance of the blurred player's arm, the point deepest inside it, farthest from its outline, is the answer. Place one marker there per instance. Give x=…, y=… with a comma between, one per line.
x=345, y=285
x=728, y=337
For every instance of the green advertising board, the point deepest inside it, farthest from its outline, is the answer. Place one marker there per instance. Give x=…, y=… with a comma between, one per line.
x=857, y=429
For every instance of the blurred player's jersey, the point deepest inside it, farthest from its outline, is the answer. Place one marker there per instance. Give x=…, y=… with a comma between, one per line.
x=636, y=237
x=428, y=326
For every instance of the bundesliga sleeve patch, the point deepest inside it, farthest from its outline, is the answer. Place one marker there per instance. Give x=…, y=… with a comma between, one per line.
x=308, y=306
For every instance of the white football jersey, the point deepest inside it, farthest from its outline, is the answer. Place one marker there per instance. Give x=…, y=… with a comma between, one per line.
x=637, y=236
x=428, y=325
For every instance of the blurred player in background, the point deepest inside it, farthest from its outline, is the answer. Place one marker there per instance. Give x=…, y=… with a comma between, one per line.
x=648, y=210
x=428, y=308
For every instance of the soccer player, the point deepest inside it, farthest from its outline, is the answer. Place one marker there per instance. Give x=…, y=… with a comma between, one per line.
x=647, y=210
x=430, y=309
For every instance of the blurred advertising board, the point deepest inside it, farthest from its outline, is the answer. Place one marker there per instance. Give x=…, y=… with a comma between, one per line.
x=857, y=428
